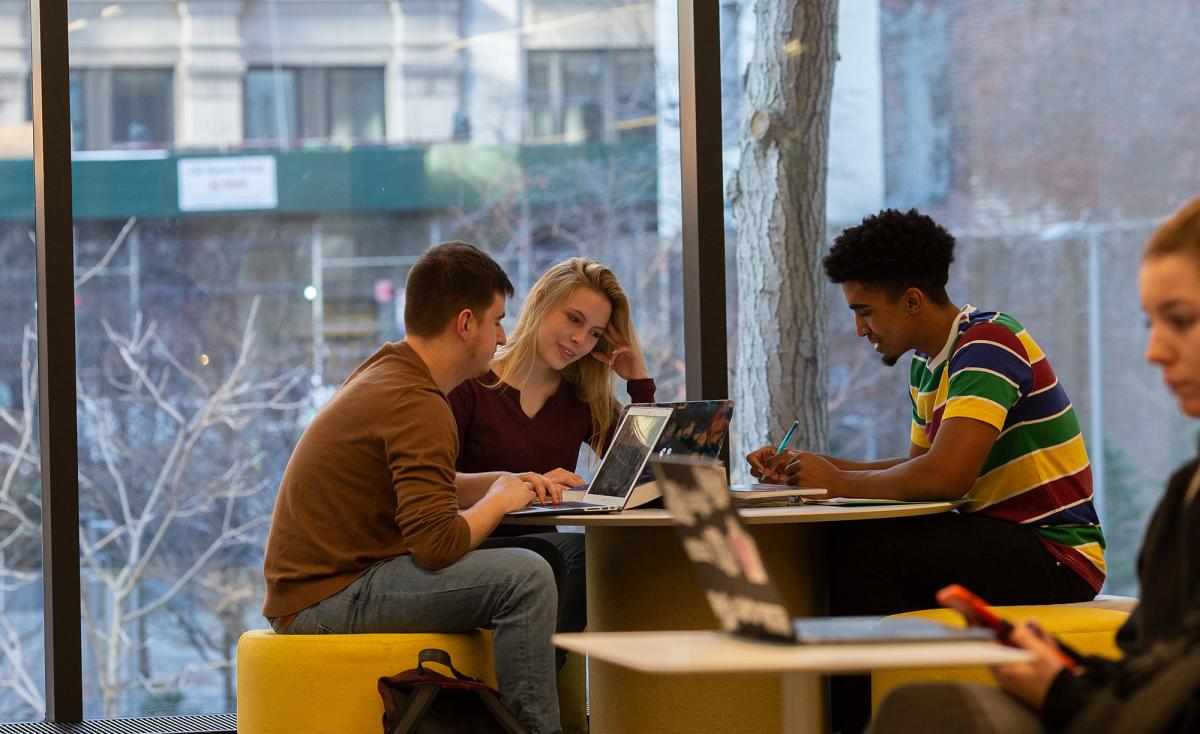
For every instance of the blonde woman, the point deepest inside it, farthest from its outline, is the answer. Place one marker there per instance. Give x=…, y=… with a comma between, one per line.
x=549, y=391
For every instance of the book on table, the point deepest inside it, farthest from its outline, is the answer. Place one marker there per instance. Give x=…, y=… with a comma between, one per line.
x=771, y=495
x=863, y=501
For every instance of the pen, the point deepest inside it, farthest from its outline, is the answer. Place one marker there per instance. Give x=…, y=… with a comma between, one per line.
x=787, y=437
x=783, y=445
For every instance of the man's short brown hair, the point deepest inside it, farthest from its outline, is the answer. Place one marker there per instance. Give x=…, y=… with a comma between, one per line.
x=446, y=279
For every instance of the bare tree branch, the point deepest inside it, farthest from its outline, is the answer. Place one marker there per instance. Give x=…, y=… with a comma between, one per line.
x=108, y=255
x=237, y=534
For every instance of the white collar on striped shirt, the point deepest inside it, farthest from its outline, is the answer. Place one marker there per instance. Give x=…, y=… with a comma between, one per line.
x=932, y=364
x=1192, y=488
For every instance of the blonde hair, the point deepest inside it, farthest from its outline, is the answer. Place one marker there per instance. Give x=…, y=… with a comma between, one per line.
x=591, y=379
x=1179, y=235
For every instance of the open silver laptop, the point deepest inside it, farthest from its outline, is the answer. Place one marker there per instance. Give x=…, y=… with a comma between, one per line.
x=742, y=597
x=610, y=489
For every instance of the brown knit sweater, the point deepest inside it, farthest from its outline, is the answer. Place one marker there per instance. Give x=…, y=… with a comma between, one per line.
x=372, y=478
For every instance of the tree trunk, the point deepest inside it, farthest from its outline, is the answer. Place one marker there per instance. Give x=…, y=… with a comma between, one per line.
x=778, y=197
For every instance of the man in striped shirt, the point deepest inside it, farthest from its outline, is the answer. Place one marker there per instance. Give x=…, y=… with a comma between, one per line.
x=1037, y=471
x=991, y=426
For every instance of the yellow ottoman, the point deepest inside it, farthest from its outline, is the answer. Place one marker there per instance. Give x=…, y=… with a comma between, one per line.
x=326, y=684
x=1088, y=627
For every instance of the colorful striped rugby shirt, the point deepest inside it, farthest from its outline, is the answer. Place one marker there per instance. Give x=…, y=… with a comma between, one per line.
x=1037, y=472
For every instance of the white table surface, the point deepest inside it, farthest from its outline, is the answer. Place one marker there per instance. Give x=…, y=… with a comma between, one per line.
x=750, y=515
x=717, y=652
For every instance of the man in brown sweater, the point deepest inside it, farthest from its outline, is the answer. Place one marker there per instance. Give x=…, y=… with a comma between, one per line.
x=373, y=530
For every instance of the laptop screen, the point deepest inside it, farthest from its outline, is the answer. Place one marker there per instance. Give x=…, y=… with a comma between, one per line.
x=627, y=454
x=699, y=427
x=724, y=555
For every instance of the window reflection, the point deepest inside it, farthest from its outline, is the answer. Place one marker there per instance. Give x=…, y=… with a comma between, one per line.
x=252, y=184
x=22, y=677
x=594, y=95
x=1013, y=130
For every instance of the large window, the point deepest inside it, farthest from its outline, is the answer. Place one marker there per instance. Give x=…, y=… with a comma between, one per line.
x=342, y=105
x=250, y=190
x=355, y=104
x=1013, y=125
x=599, y=95
x=22, y=691
x=272, y=106
x=255, y=180
x=122, y=108
x=141, y=106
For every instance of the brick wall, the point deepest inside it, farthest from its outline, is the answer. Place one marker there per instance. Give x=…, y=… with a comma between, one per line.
x=1041, y=110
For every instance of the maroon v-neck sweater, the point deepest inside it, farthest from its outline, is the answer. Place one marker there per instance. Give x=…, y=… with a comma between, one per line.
x=495, y=434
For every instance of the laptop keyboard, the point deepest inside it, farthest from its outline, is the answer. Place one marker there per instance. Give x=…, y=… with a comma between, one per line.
x=564, y=506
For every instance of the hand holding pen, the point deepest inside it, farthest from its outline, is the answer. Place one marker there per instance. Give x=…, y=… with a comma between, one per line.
x=765, y=462
x=787, y=437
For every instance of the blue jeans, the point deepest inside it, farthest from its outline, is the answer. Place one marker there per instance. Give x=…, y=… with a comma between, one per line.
x=565, y=554
x=508, y=590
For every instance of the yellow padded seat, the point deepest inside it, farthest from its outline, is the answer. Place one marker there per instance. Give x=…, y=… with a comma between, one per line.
x=326, y=684
x=1088, y=627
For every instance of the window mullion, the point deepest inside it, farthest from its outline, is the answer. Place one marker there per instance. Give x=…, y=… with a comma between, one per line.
x=56, y=359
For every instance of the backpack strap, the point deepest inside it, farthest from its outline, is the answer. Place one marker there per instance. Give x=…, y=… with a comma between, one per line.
x=437, y=655
x=417, y=706
x=500, y=712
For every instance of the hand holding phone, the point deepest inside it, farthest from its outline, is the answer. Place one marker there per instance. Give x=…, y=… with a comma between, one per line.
x=978, y=614
x=975, y=610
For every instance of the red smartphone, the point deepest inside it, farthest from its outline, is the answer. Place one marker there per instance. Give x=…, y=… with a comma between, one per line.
x=979, y=614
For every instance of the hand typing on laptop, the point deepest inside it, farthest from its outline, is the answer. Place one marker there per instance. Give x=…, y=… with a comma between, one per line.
x=618, y=472
x=560, y=480
x=512, y=492
x=548, y=488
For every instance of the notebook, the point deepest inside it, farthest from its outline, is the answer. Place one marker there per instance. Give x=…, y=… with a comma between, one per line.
x=768, y=495
x=867, y=501
x=738, y=589
x=610, y=489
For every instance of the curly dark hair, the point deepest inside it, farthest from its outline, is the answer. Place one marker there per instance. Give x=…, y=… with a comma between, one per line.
x=895, y=251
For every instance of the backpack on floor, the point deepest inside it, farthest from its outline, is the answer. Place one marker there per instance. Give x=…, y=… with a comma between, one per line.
x=422, y=701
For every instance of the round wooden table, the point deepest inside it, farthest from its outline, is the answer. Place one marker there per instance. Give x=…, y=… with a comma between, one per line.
x=639, y=579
